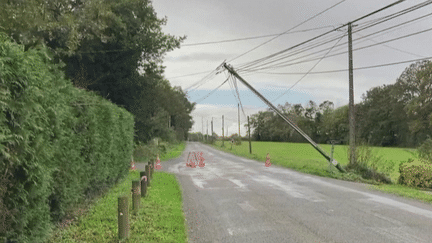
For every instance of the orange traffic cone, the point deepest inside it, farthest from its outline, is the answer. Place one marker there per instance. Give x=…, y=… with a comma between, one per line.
x=132, y=164
x=267, y=163
x=158, y=165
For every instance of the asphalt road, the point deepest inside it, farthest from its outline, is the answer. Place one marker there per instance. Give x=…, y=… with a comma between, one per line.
x=232, y=199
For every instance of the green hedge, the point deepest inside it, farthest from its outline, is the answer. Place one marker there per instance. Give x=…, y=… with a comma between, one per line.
x=417, y=174
x=58, y=144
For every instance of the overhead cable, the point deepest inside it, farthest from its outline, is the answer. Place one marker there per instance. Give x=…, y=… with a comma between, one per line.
x=383, y=31
x=358, y=68
x=344, y=52
x=307, y=72
x=319, y=36
x=214, y=90
x=256, y=37
x=307, y=20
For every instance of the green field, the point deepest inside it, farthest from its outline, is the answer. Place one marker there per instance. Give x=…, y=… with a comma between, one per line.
x=160, y=218
x=304, y=158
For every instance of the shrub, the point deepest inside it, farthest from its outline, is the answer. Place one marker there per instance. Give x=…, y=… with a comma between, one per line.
x=425, y=150
x=366, y=164
x=415, y=175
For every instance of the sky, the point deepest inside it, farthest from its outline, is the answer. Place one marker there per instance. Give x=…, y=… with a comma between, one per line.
x=212, y=21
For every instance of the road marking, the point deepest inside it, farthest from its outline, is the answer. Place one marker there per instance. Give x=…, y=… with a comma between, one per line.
x=246, y=206
x=291, y=189
x=245, y=231
x=237, y=182
x=198, y=182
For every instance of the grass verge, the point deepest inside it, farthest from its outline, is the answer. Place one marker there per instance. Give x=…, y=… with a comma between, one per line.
x=160, y=218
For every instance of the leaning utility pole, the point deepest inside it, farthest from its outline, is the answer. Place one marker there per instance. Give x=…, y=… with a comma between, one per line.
x=304, y=135
x=352, y=141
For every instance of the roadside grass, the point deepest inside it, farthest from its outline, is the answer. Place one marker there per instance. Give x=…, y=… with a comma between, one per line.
x=304, y=158
x=159, y=219
x=173, y=152
x=405, y=191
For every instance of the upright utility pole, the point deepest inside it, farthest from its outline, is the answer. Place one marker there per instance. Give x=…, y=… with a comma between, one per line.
x=223, y=136
x=294, y=126
x=227, y=130
x=212, y=129
x=238, y=105
x=250, y=144
x=207, y=131
x=202, y=127
x=352, y=141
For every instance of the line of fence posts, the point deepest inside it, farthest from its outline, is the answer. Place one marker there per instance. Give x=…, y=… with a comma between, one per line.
x=139, y=189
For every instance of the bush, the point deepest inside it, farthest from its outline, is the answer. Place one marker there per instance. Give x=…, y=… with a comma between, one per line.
x=415, y=175
x=425, y=150
x=366, y=164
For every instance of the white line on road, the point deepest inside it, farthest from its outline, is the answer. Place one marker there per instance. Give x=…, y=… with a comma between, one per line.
x=246, y=206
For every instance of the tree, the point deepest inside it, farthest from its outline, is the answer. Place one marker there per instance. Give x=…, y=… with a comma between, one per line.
x=112, y=47
x=381, y=118
x=414, y=87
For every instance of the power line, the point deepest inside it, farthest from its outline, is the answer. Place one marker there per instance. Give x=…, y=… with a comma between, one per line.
x=359, y=68
x=308, y=71
x=256, y=37
x=191, y=74
x=238, y=94
x=356, y=41
x=394, y=48
x=344, y=52
x=200, y=82
x=307, y=20
x=319, y=36
x=214, y=90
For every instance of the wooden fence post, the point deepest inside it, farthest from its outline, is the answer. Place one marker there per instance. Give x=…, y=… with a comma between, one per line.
x=150, y=169
x=123, y=217
x=147, y=172
x=143, y=183
x=136, y=196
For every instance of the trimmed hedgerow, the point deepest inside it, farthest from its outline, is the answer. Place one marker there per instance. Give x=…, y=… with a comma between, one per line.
x=58, y=144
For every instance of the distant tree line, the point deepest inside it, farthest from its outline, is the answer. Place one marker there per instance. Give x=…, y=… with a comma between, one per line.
x=399, y=115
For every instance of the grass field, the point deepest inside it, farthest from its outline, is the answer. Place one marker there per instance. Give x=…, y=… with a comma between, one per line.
x=304, y=158
x=160, y=218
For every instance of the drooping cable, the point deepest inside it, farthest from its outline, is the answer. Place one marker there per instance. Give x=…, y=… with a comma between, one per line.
x=214, y=90
x=307, y=72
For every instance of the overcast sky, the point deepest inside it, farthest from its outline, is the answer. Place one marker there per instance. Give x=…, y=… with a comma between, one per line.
x=207, y=21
